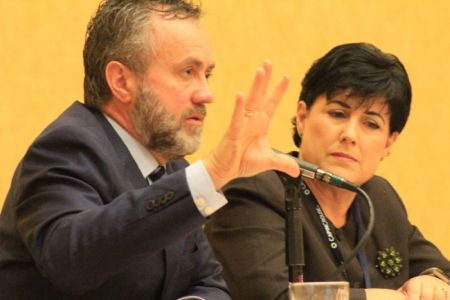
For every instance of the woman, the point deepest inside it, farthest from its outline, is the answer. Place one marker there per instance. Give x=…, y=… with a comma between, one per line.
x=354, y=103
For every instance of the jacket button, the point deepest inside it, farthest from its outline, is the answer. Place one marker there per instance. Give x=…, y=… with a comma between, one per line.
x=151, y=205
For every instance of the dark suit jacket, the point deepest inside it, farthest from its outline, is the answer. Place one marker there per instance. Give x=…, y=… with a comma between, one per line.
x=248, y=237
x=81, y=221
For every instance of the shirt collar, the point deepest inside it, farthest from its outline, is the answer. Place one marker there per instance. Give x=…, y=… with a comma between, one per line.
x=143, y=158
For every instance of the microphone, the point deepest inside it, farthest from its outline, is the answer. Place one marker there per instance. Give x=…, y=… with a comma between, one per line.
x=314, y=172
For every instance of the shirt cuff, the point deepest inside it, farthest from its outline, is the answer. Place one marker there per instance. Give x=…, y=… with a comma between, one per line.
x=205, y=196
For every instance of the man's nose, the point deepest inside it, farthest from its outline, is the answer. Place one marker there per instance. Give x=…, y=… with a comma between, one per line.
x=203, y=93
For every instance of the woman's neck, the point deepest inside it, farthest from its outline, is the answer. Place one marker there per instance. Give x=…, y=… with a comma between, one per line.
x=334, y=202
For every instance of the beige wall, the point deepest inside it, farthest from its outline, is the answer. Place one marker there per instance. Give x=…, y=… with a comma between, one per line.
x=41, y=43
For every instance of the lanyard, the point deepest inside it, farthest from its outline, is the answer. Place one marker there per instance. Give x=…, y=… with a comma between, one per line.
x=330, y=237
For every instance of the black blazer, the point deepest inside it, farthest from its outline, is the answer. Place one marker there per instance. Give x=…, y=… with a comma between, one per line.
x=248, y=237
x=81, y=221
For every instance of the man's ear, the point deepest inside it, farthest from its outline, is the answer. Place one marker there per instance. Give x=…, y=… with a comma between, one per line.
x=302, y=112
x=122, y=81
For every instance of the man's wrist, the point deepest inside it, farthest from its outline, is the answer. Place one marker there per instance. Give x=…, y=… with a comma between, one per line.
x=218, y=180
x=203, y=191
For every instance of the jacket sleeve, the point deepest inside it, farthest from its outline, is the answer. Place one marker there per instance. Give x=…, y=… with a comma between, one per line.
x=207, y=281
x=422, y=253
x=247, y=236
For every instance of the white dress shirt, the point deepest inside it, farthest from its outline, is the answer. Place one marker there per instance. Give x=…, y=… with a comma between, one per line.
x=202, y=189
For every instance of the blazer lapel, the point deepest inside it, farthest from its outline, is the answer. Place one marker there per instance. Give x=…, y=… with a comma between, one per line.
x=128, y=163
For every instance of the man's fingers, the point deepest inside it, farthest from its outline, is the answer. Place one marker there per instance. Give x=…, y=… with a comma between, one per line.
x=252, y=98
x=286, y=164
x=256, y=95
x=278, y=94
x=267, y=66
x=237, y=118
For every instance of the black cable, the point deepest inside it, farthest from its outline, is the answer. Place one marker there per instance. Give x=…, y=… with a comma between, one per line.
x=362, y=242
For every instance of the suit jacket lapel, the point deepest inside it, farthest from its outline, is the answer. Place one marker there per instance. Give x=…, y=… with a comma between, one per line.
x=128, y=163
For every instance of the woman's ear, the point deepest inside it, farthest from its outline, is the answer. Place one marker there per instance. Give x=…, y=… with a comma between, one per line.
x=300, y=117
x=390, y=143
x=122, y=81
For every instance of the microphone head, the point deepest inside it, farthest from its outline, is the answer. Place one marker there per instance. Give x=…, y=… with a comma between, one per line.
x=312, y=171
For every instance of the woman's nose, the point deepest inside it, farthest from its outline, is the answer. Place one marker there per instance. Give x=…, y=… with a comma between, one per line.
x=350, y=132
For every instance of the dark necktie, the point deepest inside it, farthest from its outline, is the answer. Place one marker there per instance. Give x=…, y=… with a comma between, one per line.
x=157, y=173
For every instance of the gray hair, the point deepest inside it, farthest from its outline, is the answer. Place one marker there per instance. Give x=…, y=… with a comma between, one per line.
x=121, y=31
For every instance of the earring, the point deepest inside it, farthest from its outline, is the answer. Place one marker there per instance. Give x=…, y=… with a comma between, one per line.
x=386, y=155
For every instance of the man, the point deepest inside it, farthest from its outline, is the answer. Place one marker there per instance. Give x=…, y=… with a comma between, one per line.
x=81, y=219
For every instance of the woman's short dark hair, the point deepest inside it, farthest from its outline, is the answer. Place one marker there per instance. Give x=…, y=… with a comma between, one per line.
x=365, y=71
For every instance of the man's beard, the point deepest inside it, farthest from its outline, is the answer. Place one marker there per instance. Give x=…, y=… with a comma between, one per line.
x=160, y=130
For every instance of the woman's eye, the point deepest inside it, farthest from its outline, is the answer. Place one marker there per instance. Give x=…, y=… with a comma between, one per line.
x=373, y=125
x=336, y=114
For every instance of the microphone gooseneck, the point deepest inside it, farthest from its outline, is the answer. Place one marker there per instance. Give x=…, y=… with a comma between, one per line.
x=295, y=257
x=365, y=237
x=314, y=172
